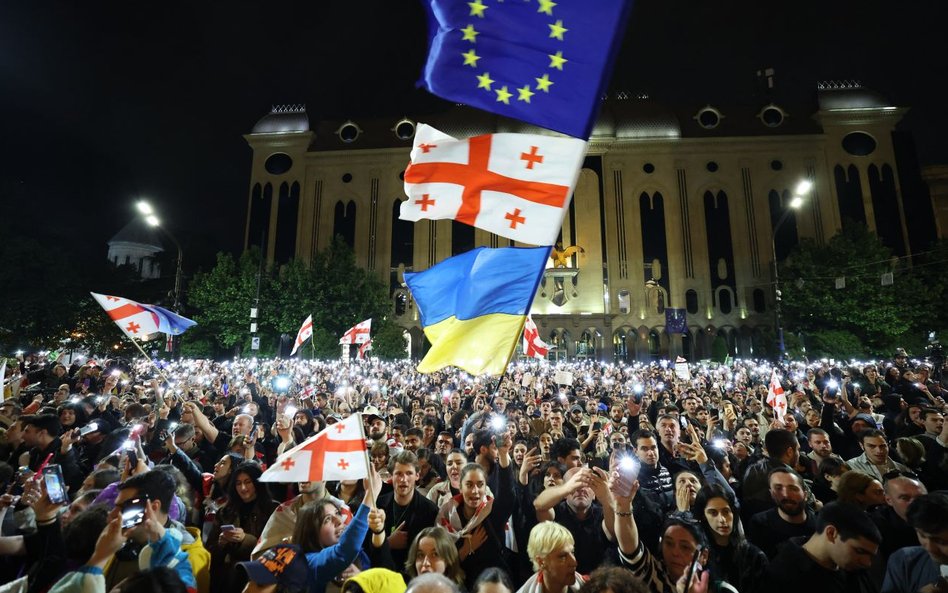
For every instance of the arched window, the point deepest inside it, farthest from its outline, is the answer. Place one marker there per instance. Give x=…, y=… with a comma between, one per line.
x=691, y=301
x=344, y=222
x=760, y=301
x=725, y=302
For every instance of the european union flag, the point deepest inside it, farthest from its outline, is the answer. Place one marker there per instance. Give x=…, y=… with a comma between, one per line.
x=676, y=321
x=543, y=62
x=168, y=322
x=473, y=306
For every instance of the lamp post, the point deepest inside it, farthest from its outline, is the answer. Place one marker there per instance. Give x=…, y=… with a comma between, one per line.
x=799, y=193
x=149, y=213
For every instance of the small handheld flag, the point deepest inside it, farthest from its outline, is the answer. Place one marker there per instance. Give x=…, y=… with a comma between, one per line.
x=336, y=453
x=776, y=398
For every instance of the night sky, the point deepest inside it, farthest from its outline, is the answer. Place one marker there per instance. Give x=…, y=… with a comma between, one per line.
x=106, y=102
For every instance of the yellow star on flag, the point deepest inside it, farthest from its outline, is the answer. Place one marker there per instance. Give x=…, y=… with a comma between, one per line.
x=477, y=8
x=484, y=81
x=469, y=34
x=557, y=60
x=557, y=29
x=470, y=58
x=525, y=93
x=544, y=83
x=547, y=6
x=503, y=95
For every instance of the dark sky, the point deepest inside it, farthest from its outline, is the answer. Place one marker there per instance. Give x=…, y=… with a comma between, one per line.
x=104, y=102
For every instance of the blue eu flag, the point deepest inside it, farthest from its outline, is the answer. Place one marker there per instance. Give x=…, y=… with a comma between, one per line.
x=543, y=62
x=676, y=321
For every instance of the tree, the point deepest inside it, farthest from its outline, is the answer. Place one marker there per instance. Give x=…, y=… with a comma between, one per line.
x=864, y=312
x=389, y=341
x=222, y=299
x=333, y=289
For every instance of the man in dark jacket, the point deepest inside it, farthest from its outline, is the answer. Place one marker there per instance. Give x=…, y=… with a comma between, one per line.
x=41, y=433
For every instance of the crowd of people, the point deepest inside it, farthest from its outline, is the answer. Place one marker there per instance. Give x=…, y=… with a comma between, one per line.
x=645, y=477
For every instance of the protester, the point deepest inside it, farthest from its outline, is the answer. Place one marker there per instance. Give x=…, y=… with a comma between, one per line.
x=497, y=459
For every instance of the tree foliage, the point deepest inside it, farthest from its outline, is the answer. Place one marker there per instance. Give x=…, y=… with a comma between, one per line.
x=865, y=315
x=332, y=288
x=389, y=341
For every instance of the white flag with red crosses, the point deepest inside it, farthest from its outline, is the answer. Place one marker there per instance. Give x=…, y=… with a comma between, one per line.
x=776, y=398
x=533, y=346
x=336, y=453
x=358, y=334
x=514, y=185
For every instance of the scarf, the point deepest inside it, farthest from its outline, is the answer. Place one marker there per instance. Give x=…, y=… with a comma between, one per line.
x=449, y=516
x=535, y=583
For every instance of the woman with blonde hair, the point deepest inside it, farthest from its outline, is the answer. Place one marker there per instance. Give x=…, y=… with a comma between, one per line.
x=551, y=550
x=434, y=551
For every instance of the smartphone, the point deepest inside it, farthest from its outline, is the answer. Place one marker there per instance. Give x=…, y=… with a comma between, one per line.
x=597, y=425
x=692, y=568
x=88, y=428
x=683, y=420
x=227, y=527
x=133, y=512
x=628, y=468
x=499, y=440
x=55, y=485
x=715, y=413
x=132, y=456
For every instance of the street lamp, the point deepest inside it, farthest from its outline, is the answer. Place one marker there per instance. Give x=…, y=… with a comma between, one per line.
x=802, y=189
x=149, y=213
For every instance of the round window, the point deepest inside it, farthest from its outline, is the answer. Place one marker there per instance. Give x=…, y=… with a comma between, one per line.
x=712, y=166
x=404, y=129
x=648, y=168
x=859, y=144
x=346, y=178
x=772, y=116
x=776, y=165
x=348, y=132
x=278, y=163
x=708, y=118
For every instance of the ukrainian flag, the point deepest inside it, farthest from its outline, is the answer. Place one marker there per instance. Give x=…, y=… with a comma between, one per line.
x=473, y=306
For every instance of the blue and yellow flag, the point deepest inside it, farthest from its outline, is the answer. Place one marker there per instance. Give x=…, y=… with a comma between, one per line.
x=543, y=62
x=473, y=306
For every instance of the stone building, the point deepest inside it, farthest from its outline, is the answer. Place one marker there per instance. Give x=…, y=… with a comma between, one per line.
x=675, y=208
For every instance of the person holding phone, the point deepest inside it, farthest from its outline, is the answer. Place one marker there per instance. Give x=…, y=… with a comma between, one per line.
x=237, y=527
x=41, y=433
x=141, y=510
x=680, y=542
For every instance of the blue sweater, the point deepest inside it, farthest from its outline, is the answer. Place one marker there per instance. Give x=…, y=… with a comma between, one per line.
x=328, y=563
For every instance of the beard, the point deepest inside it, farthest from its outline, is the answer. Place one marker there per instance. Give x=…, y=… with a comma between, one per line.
x=793, y=508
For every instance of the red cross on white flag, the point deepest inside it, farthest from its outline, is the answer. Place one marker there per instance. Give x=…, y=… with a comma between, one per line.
x=776, y=398
x=514, y=185
x=134, y=320
x=357, y=334
x=533, y=346
x=336, y=453
x=305, y=333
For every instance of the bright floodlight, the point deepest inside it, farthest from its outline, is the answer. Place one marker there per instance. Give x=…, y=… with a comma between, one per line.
x=804, y=187
x=145, y=208
x=796, y=202
x=152, y=220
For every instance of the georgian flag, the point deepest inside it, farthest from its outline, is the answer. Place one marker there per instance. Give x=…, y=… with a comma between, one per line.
x=776, y=398
x=336, y=453
x=514, y=185
x=305, y=333
x=533, y=346
x=357, y=334
x=137, y=320
x=364, y=348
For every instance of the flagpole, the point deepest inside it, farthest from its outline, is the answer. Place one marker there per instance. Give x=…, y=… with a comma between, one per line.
x=368, y=460
x=149, y=359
